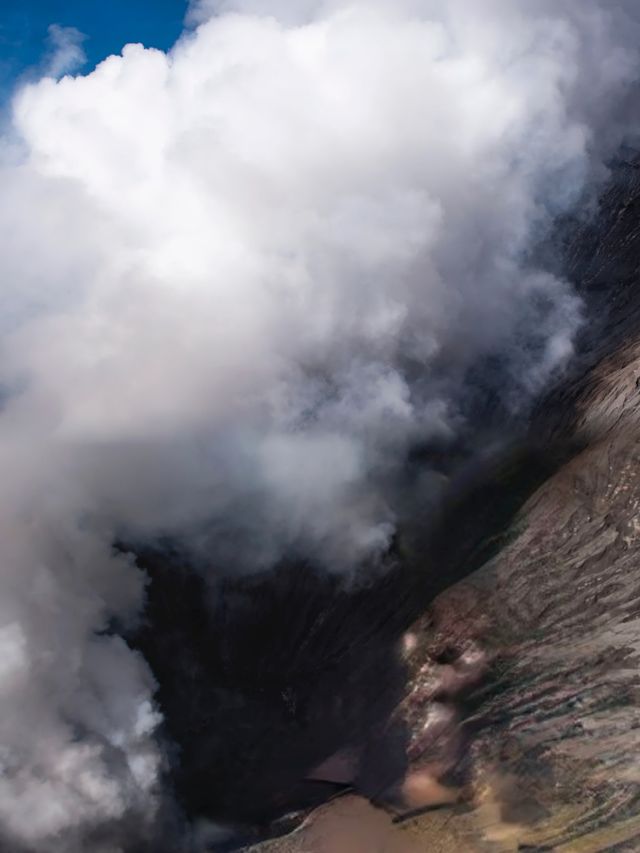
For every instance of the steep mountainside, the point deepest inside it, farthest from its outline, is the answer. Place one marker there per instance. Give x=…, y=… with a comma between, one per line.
x=523, y=681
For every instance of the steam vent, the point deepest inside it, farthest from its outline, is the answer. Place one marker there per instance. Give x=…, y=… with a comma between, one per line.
x=490, y=707
x=320, y=426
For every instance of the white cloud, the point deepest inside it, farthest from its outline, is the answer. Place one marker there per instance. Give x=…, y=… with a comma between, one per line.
x=67, y=54
x=239, y=280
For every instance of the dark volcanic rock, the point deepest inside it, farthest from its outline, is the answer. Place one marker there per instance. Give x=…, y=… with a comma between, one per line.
x=497, y=654
x=552, y=737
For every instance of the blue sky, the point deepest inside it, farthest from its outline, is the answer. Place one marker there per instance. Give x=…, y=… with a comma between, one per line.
x=108, y=25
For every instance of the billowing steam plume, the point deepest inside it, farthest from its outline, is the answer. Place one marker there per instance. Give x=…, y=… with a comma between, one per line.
x=239, y=282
